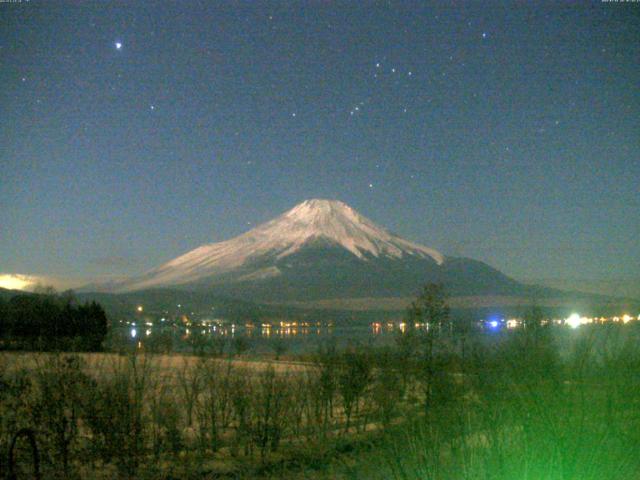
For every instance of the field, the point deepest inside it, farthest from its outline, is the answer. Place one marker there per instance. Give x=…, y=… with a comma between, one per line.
x=543, y=403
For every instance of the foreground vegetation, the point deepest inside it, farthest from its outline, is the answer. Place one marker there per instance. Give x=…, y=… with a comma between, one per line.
x=434, y=406
x=525, y=411
x=445, y=402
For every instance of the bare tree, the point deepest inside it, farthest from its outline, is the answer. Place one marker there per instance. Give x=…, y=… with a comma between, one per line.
x=270, y=410
x=214, y=408
x=354, y=378
x=60, y=385
x=431, y=309
x=190, y=381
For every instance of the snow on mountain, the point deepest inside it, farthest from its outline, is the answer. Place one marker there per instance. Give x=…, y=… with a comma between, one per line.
x=331, y=221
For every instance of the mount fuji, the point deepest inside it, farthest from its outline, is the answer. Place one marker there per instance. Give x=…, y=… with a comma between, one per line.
x=320, y=250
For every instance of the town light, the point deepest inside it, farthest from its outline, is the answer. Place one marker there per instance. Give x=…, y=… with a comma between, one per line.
x=574, y=320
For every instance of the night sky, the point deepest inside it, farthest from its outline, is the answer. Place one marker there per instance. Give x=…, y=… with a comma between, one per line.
x=132, y=132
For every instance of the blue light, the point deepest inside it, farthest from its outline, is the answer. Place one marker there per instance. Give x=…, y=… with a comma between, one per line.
x=493, y=324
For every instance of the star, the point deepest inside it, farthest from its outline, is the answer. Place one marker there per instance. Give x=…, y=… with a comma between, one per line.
x=377, y=65
x=152, y=107
x=484, y=34
x=293, y=114
x=371, y=185
x=118, y=46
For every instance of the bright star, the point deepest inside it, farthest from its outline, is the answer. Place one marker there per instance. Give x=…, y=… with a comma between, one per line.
x=118, y=46
x=484, y=34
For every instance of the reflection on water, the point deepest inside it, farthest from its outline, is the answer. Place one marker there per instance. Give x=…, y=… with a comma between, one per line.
x=268, y=330
x=183, y=333
x=297, y=336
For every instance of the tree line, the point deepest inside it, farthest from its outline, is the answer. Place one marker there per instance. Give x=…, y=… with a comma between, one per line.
x=51, y=321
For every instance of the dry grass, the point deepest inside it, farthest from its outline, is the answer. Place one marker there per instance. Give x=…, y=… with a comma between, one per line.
x=166, y=365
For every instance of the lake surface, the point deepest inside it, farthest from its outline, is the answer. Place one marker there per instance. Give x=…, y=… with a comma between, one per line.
x=265, y=339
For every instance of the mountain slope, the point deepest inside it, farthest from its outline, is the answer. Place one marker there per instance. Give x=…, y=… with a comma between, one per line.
x=256, y=254
x=320, y=249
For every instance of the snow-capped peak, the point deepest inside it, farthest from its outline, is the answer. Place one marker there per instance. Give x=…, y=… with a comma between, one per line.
x=337, y=222
x=319, y=209
x=329, y=220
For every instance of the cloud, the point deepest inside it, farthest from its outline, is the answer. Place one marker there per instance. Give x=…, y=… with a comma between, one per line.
x=26, y=282
x=15, y=281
